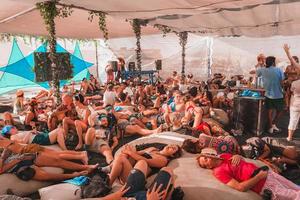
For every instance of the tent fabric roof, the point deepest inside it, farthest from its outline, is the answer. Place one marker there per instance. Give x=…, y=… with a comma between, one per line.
x=255, y=18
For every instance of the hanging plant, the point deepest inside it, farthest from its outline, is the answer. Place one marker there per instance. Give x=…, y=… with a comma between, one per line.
x=101, y=22
x=163, y=28
x=137, y=29
x=49, y=11
x=6, y=37
x=183, y=36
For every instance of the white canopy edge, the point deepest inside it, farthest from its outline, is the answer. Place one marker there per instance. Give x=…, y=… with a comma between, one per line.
x=255, y=18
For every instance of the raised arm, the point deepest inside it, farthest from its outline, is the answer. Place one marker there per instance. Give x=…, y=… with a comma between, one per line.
x=290, y=57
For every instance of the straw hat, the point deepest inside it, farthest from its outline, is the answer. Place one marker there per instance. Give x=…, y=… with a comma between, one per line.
x=19, y=93
x=209, y=153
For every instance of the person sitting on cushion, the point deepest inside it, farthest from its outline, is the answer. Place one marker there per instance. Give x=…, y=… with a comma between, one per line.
x=31, y=112
x=124, y=100
x=155, y=158
x=243, y=176
x=81, y=123
x=85, y=86
x=222, y=144
x=102, y=136
x=19, y=104
x=94, y=83
x=23, y=165
x=63, y=113
x=177, y=106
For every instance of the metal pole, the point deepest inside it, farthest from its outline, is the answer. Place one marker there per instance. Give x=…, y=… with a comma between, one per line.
x=209, y=57
x=97, y=60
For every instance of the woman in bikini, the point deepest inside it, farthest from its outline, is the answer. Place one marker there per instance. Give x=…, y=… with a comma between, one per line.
x=155, y=158
x=80, y=124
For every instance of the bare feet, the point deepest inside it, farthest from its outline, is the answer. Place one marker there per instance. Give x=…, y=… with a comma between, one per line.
x=82, y=173
x=85, y=158
x=79, y=146
x=91, y=168
x=159, y=129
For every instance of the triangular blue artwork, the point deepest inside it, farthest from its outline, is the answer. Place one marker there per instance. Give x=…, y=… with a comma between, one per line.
x=19, y=72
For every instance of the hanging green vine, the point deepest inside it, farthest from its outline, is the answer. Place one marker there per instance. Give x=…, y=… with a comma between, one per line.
x=6, y=37
x=49, y=11
x=101, y=22
x=163, y=28
x=137, y=29
x=183, y=37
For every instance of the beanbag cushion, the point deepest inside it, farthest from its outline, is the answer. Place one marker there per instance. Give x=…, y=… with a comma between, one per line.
x=64, y=191
x=23, y=188
x=197, y=183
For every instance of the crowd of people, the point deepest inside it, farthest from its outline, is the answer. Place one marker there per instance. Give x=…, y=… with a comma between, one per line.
x=100, y=118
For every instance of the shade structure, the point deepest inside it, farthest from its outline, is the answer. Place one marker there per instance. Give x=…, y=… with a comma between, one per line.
x=255, y=18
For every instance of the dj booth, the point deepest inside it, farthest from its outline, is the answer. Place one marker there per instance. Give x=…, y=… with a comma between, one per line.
x=249, y=113
x=134, y=74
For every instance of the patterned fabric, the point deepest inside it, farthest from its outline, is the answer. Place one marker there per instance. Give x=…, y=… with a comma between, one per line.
x=281, y=188
x=222, y=144
x=12, y=197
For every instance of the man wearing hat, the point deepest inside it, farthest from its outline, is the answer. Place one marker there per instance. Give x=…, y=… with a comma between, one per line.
x=243, y=176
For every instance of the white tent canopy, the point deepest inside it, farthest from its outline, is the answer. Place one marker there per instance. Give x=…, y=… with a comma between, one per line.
x=230, y=55
x=255, y=18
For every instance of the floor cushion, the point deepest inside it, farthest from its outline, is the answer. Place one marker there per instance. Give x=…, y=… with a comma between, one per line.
x=197, y=183
x=64, y=191
x=23, y=188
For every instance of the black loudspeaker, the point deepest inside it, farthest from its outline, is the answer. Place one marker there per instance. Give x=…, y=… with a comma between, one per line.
x=114, y=65
x=131, y=66
x=158, y=65
x=250, y=114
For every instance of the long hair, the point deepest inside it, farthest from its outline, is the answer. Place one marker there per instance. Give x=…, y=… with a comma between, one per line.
x=159, y=146
x=191, y=147
x=80, y=98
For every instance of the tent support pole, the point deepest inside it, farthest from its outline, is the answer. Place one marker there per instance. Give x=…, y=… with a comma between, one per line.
x=209, y=57
x=97, y=60
x=8, y=19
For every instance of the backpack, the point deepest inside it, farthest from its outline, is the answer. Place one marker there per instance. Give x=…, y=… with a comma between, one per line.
x=98, y=186
x=255, y=147
x=112, y=128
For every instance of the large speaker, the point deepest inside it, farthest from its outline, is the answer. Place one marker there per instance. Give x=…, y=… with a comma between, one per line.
x=131, y=66
x=250, y=114
x=158, y=65
x=42, y=66
x=114, y=65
